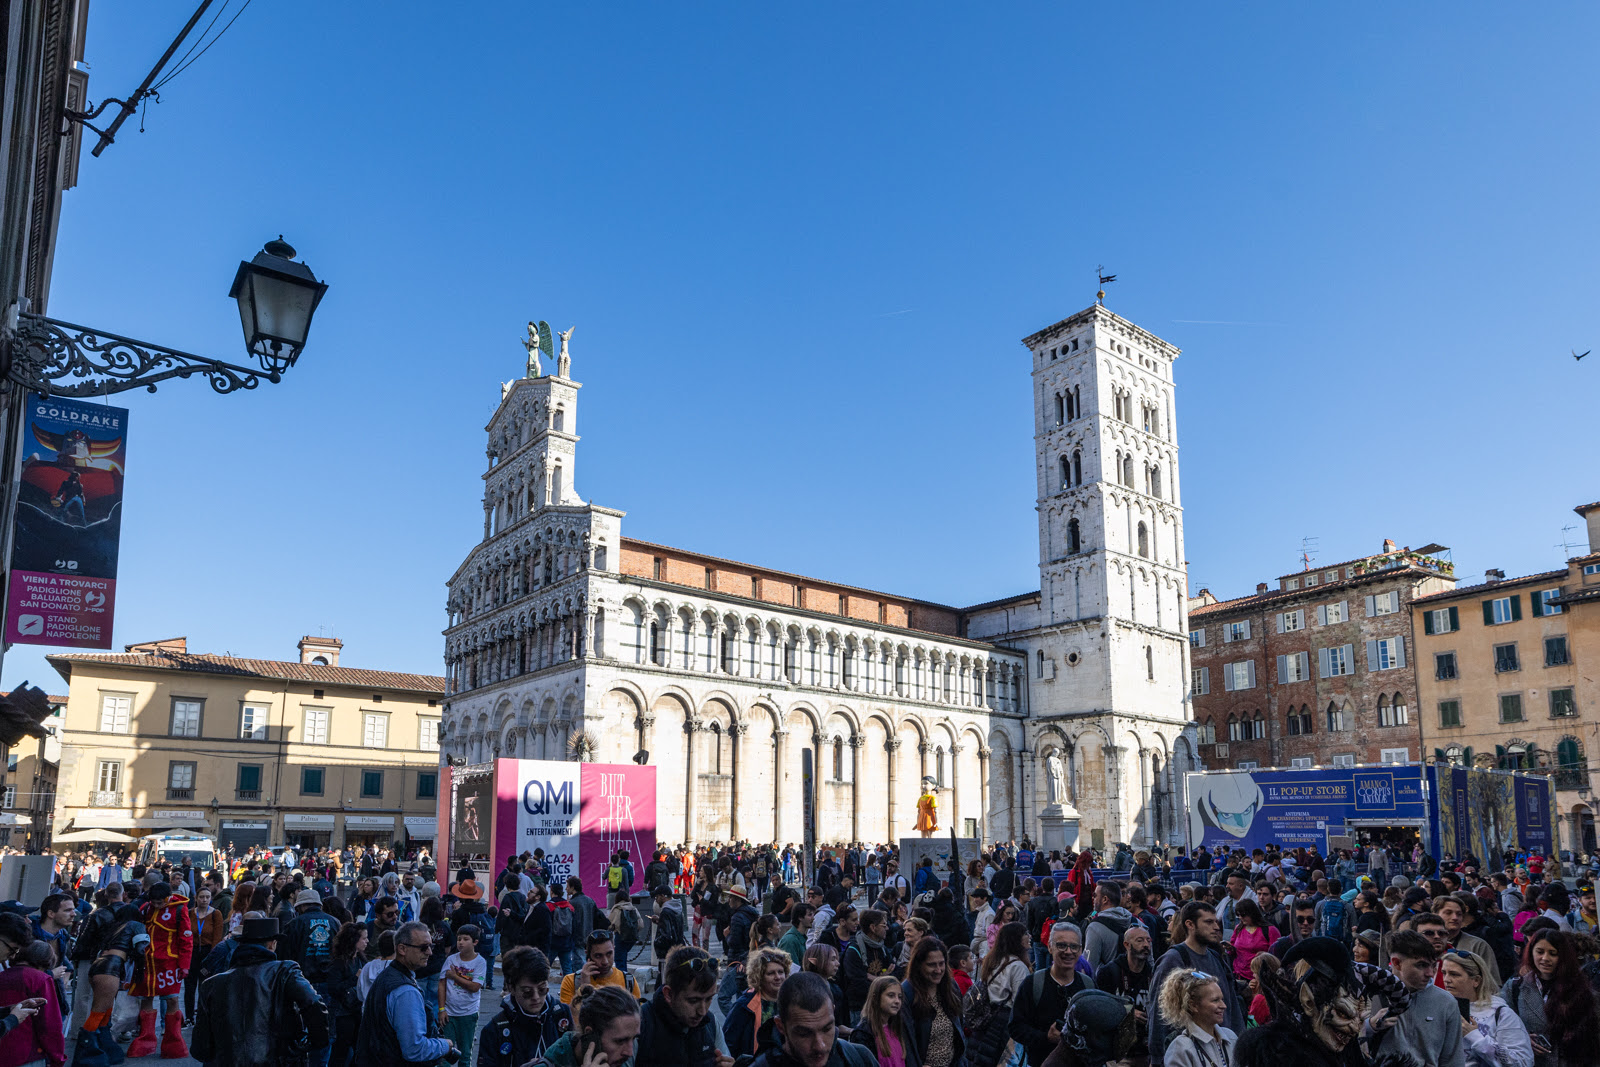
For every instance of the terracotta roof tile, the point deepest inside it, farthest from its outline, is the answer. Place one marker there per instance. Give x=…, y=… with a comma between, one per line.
x=278, y=670
x=1470, y=592
x=1315, y=592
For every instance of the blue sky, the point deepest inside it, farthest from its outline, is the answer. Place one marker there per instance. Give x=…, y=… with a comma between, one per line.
x=800, y=244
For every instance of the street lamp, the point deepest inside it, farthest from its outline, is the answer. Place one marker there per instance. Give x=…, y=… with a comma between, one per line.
x=277, y=298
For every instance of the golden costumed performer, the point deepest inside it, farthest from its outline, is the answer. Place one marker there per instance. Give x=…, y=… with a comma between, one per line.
x=927, y=810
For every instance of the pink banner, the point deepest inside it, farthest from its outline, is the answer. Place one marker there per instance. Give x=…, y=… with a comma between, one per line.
x=60, y=609
x=619, y=812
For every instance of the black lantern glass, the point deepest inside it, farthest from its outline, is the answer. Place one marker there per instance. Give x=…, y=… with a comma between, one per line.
x=277, y=298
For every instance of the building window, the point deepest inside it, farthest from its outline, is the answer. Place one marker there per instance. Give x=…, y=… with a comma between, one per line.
x=1441, y=621
x=10, y=798
x=12, y=760
x=1149, y=663
x=1449, y=713
x=1074, y=541
x=429, y=741
x=1344, y=759
x=372, y=783
x=108, y=780
x=1541, y=602
x=1392, y=712
x=1294, y=667
x=1061, y=406
x=1208, y=733
x=1247, y=765
x=186, y=718
x=1300, y=763
x=1555, y=651
x=1077, y=467
x=1241, y=675
x=1291, y=583
x=1200, y=681
x=427, y=785
x=1235, y=729
x=1144, y=541
x=1236, y=631
x=1039, y=661
x=375, y=730
x=180, y=781
x=1395, y=755
x=249, y=782
x=1383, y=604
x=1562, y=703
x=1197, y=638
x=316, y=728
x=253, y=722
x=115, y=709
x=1456, y=756
x=1336, y=661
x=1328, y=614
x=1511, y=707
x=1339, y=719
x=1290, y=621
x=1386, y=654
x=311, y=781
x=1066, y=473
x=1502, y=610
x=1444, y=666
x=1505, y=658
x=1591, y=568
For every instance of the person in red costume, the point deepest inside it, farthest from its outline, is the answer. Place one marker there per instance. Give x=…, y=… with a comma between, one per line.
x=166, y=917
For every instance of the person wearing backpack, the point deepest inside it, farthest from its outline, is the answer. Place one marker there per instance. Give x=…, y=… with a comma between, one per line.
x=760, y=873
x=616, y=875
x=672, y=929
x=1103, y=938
x=1335, y=917
x=628, y=925
x=513, y=914
x=1200, y=949
x=1040, y=1003
x=563, y=928
x=986, y=1008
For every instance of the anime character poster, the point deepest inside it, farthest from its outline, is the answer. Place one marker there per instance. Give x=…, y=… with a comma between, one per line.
x=1298, y=808
x=68, y=526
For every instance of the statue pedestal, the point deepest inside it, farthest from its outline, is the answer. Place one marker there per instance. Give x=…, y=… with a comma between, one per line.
x=1058, y=825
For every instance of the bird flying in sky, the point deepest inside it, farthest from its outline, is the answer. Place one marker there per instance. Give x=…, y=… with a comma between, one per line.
x=1576, y=356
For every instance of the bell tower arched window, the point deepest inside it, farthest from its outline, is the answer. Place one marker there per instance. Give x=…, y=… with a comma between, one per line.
x=1061, y=409
x=1066, y=473
x=1144, y=541
x=1077, y=467
x=1073, y=542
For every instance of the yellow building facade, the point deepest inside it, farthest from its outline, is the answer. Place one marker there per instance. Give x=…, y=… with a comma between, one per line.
x=248, y=751
x=1505, y=678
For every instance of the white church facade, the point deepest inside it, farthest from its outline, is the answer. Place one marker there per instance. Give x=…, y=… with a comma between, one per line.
x=568, y=640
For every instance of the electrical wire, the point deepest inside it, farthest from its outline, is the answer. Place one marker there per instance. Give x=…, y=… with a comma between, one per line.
x=186, y=62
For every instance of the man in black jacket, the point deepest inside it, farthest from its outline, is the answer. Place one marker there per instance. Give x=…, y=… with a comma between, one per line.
x=676, y=1027
x=806, y=1030
x=308, y=939
x=531, y=1018
x=865, y=959
x=1040, y=908
x=1040, y=1003
x=250, y=1015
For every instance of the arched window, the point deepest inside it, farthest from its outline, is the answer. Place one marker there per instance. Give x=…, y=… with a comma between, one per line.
x=716, y=745
x=1383, y=711
x=1155, y=481
x=1149, y=663
x=1039, y=660
x=1144, y=541
x=1235, y=731
x=838, y=759
x=1208, y=733
x=1077, y=467
x=1061, y=409
x=1456, y=755
x=1338, y=719
x=656, y=654
x=555, y=483
x=1066, y=474
x=1127, y=470
x=1570, y=771
x=559, y=422
x=1258, y=728
x=1073, y=542
x=1401, y=715
x=938, y=766
x=1077, y=397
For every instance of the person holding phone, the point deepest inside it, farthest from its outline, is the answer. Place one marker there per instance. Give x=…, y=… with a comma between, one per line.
x=1492, y=1035
x=1552, y=998
x=607, y=1031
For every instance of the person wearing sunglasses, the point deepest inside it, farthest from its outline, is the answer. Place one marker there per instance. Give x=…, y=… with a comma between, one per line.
x=394, y=1024
x=1492, y=1034
x=1192, y=1003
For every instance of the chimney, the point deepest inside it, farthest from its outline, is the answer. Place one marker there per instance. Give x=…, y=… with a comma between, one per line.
x=1261, y=587
x=158, y=648
x=1388, y=546
x=1493, y=575
x=320, y=650
x=1591, y=515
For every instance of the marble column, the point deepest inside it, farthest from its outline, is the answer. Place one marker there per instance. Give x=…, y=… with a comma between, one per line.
x=780, y=745
x=955, y=789
x=985, y=829
x=856, y=741
x=892, y=747
x=736, y=732
x=690, y=728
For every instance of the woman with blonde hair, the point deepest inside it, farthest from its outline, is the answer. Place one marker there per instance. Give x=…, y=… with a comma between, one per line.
x=764, y=970
x=1492, y=1035
x=1193, y=1006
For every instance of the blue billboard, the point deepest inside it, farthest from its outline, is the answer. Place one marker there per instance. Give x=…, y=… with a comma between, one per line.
x=1298, y=808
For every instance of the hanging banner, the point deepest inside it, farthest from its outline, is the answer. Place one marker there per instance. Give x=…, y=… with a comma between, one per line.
x=577, y=813
x=1297, y=808
x=63, y=582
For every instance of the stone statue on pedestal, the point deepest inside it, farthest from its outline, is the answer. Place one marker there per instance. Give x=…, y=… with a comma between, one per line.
x=532, y=344
x=564, y=363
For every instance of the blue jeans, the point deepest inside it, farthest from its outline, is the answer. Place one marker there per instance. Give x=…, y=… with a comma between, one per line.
x=430, y=1000
x=571, y=961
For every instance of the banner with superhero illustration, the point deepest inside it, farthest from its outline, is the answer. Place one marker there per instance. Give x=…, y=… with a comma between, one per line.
x=63, y=582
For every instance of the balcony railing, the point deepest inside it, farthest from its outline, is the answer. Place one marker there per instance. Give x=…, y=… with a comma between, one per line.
x=175, y=793
x=247, y=794
x=104, y=798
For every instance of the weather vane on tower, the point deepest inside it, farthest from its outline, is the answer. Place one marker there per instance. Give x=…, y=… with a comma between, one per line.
x=1105, y=279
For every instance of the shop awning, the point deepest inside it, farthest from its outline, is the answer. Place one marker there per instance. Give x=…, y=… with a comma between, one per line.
x=87, y=817
x=302, y=821
x=369, y=822
x=422, y=825
x=11, y=819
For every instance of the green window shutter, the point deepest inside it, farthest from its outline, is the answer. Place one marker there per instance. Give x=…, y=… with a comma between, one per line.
x=1427, y=622
x=1516, y=606
x=1488, y=613
x=1535, y=604
x=1455, y=620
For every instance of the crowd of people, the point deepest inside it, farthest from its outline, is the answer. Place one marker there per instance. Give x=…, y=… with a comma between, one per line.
x=752, y=955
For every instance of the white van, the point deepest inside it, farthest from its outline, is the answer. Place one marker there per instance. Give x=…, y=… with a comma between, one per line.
x=174, y=848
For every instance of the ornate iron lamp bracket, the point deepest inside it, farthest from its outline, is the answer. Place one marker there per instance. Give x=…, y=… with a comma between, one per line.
x=64, y=359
